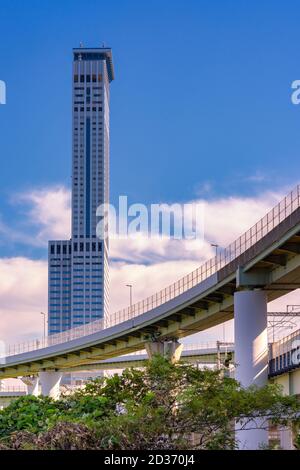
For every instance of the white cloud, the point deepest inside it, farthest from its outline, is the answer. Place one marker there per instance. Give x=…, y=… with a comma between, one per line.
x=46, y=214
x=11, y=235
x=203, y=188
x=225, y=219
x=51, y=209
x=146, y=279
x=228, y=218
x=23, y=295
x=257, y=177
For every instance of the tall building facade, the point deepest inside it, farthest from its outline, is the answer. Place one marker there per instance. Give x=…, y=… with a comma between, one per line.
x=78, y=280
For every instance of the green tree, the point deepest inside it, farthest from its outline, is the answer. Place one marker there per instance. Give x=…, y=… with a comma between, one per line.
x=165, y=405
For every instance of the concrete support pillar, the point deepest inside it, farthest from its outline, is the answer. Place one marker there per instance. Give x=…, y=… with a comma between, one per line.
x=32, y=384
x=50, y=382
x=251, y=353
x=169, y=349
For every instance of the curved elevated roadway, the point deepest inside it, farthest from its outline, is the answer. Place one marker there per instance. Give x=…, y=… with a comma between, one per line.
x=267, y=257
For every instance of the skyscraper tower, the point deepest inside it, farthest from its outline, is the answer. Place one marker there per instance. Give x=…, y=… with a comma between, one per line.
x=78, y=268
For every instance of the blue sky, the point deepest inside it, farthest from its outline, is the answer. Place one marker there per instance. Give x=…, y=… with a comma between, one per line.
x=202, y=93
x=200, y=105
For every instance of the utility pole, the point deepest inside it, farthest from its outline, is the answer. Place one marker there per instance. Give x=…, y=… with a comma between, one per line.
x=218, y=355
x=130, y=294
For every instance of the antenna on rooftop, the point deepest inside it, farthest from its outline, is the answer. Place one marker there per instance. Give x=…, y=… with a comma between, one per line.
x=81, y=45
x=103, y=44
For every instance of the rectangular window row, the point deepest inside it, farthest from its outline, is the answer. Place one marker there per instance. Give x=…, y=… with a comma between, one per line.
x=94, y=78
x=60, y=249
x=56, y=249
x=94, y=109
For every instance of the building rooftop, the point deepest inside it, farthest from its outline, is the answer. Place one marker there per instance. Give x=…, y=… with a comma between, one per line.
x=96, y=53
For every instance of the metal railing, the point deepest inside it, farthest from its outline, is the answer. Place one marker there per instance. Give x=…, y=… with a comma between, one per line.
x=264, y=226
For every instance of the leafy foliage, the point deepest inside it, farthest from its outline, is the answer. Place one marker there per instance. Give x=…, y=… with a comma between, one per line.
x=28, y=413
x=37, y=414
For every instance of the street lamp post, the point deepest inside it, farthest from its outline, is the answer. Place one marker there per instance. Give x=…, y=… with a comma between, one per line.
x=218, y=355
x=130, y=293
x=216, y=246
x=44, y=323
